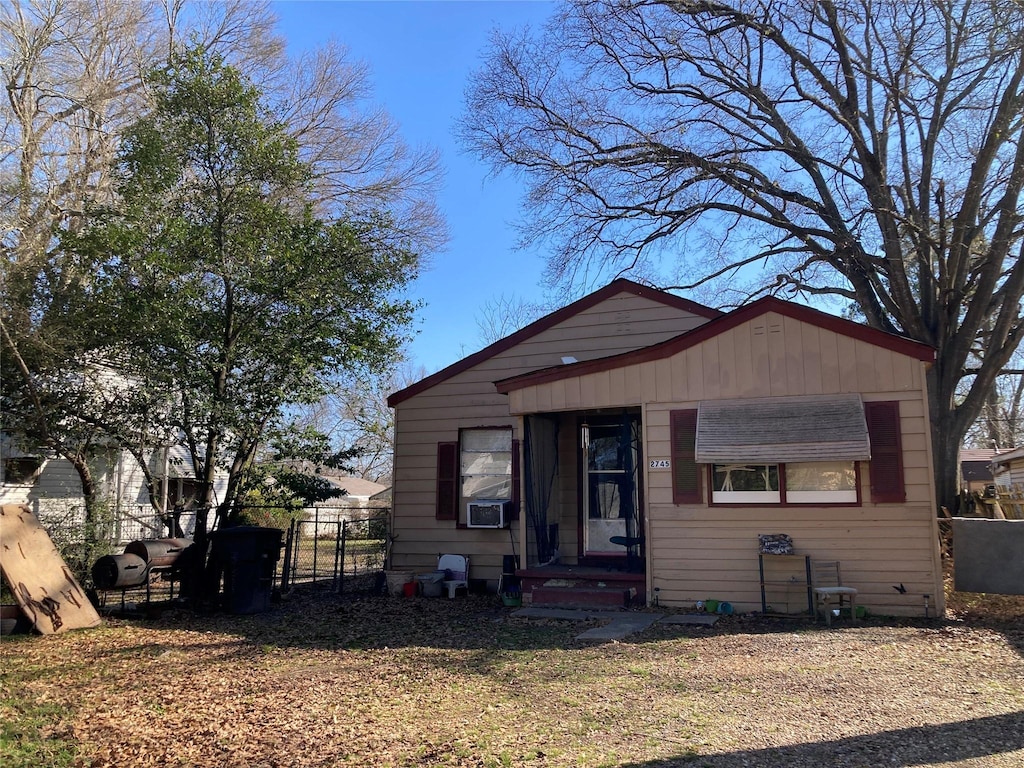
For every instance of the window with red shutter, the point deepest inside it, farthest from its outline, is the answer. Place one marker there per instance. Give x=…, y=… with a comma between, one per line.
x=886, y=466
x=685, y=470
x=447, y=481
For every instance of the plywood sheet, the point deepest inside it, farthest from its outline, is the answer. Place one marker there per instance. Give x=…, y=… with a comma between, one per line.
x=44, y=587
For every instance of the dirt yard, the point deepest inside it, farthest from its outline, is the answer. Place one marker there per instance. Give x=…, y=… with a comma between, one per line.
x=430, y=682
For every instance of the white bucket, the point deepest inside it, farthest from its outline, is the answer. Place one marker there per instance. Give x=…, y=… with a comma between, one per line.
x=397, y=580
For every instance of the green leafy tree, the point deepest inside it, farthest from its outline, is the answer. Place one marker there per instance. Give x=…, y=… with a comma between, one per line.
x=865, y=152
x=223, y=291
x=73, y=75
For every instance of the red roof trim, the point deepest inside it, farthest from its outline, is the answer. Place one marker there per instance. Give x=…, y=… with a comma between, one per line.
x=615, y=287
x=724, y=323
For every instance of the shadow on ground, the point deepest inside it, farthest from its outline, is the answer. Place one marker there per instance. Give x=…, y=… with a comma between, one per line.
x=976, y=738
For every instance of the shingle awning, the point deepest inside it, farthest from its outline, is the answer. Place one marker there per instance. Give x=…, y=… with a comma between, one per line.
x=777, y=430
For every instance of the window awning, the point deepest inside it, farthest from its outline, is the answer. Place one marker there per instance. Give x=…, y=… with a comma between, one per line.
x=782, y=429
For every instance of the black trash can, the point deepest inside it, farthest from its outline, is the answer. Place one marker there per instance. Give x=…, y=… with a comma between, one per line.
x=509, y=582
x=247, y=556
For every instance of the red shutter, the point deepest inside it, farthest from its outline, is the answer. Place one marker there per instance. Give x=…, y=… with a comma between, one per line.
x=886, y=466
x=447, y=481
x=685, y=470
x=513, y=513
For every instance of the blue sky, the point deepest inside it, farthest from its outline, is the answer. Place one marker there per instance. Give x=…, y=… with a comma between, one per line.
x=421, y=54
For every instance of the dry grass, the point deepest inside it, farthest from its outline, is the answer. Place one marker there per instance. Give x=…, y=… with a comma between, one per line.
x=408, y=682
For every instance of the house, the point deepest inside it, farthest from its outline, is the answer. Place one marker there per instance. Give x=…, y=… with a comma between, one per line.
x=1008, y=468
x=976, y=469
x=360, y=499
x=357, y=491
x=51, y=487
x=639, y=444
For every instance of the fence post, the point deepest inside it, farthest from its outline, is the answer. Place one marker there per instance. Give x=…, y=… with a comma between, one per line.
x=286, y=561
x=339, y=557
x=316, y=538
x=296, y=541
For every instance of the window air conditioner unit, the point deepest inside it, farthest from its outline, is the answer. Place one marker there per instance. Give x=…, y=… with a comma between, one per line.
x=486, y=514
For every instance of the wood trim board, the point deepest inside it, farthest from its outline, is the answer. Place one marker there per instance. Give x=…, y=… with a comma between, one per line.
x=43, y=585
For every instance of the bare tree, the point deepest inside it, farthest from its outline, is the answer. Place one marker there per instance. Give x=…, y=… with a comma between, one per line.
x=502, y=315
x=356, y=416
x=1001, y=423
x=73, y=78
x=866, y=151
x=1001, y=417
x=360, y=161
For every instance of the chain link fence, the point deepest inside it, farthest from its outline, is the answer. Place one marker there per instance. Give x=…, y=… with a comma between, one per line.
x=343, y=549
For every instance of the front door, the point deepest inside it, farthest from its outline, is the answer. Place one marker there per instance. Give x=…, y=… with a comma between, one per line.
x=611, y=506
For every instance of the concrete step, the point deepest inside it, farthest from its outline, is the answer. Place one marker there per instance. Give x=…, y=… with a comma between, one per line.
x=584, y=597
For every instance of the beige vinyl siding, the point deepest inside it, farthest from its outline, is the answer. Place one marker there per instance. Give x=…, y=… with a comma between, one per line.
x=1012, y=473
x=695, y=548
x=697, y=552
x=715, y=556
x=567, y=490
x=467, y=399
x=771, y=356
x=1017, y=473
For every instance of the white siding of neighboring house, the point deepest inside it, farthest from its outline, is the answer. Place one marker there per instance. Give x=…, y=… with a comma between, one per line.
x=1008, y=468
x=55, y=495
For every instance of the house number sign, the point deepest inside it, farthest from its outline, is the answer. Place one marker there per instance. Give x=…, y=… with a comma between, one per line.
x=661, y=464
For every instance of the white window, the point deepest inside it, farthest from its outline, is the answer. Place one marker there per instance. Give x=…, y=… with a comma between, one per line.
x=818, y=482
x=746, y=483
x=486, y=463
x=827, y=482
x=21, y=470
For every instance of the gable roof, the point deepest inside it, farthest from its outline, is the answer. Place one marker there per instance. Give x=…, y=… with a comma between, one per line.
x=713, y=328
x=979, y=454
x=1004, y=458
x=590, y=300
x=357, y=486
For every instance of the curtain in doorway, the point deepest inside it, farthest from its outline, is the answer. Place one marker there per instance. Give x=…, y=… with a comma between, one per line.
x=541, y=470
x=633, y=528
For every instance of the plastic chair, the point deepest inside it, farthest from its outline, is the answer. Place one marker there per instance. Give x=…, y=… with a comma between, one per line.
x=456, y=568
x=827, y=584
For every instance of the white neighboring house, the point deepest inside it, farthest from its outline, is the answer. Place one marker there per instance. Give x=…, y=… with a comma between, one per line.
x=50, y=486
x=976, y=469
x=360, y=497
x=1008, y=468
x=359, y=492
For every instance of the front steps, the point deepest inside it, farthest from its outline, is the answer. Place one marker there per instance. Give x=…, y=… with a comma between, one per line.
x=583, y=597
x=582, y=588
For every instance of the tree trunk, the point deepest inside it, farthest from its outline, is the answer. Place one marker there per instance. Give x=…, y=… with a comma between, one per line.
x=946, y=452
x=94, y=508
x=949, y=426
